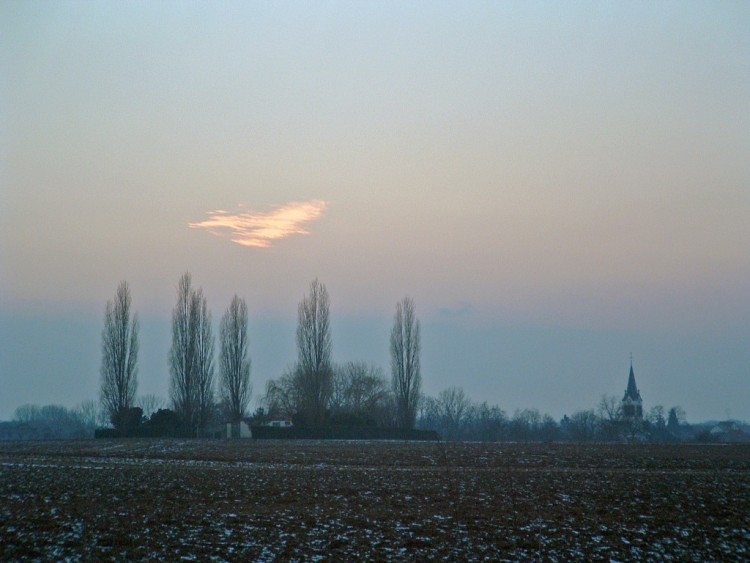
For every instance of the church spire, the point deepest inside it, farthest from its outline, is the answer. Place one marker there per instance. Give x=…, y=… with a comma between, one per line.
x=632, y=404
x=632, y=390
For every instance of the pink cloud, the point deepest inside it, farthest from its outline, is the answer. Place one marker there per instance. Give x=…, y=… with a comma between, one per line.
x=259, y=230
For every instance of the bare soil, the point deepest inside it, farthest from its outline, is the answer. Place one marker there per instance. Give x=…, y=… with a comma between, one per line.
x=300, y=500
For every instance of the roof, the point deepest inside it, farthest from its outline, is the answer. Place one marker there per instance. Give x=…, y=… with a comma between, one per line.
x=632, y=392
x=725, y=426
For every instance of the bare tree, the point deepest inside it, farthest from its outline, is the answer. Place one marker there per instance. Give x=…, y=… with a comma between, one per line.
x=583, y=425
x=610, y=409
x=282, y=397
x=314, y=372
x=452, y=408
x=657, y=417
x=150, y=404
x=204, y=368
x=234, y=363
x=26, y=413
x=525, y=424
x=119, y=355
x=361, y=391
x=182, y=353
x=191, y=356
x=88, y=413
x=405, y=369
x=485, y=422
x=611, y=423
x=358, y=387
x=338, y=400
x=549, y=429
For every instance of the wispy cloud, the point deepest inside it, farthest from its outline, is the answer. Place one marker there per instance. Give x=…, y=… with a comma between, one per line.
x=256, y=229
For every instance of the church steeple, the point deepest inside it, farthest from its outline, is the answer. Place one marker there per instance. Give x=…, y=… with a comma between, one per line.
x=632, y=390
x=632, y=404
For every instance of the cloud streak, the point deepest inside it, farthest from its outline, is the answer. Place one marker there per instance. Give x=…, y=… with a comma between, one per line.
x=260, y=230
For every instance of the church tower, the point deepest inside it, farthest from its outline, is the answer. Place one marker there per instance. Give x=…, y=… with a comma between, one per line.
x=632, y=404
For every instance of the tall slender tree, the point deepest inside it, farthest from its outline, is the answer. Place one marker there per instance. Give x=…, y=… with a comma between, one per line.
x=405, y=368
x=182, y=353
x=204, y=356
x=234, y=361
x=119, y=356
x=314, y=370
x=191, y=356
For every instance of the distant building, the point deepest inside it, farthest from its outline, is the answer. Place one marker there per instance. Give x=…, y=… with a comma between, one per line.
x=728, y=432
x=632, y=404
x=283, y=423
x=228, y=430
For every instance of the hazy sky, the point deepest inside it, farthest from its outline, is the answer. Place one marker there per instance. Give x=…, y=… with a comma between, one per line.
x=556, y=185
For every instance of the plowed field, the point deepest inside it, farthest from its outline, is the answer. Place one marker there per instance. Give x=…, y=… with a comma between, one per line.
x=279, y=500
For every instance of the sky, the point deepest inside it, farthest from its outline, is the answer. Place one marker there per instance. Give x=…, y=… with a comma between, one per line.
x=557, y=185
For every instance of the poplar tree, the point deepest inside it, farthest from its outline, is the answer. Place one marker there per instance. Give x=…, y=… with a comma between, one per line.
x=405, y=368
x=191, y=357
x=234, y=363
x=314, y=371
x=119, y=357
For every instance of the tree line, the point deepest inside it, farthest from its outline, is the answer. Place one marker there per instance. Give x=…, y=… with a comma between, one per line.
x=360, y=397
x=313, y=392
x=456, y=417
x=50, y=422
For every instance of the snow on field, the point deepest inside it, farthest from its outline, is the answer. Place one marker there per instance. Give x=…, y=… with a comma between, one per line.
x=222, y=500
